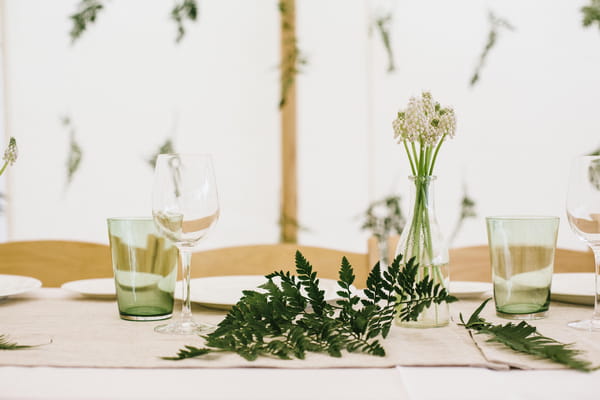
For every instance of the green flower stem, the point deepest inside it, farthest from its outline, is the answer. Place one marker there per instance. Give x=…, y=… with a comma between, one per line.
x=410, y=160
x=437, y=149
x=415, y=156
x=3, y=167
x=422, y=162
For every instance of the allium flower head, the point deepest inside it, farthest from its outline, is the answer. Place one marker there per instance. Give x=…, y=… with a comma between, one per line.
x=11, y=152
x=425, y=121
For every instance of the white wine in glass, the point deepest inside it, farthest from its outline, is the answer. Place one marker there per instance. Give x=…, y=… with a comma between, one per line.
x=185, y=206
x=583, y=211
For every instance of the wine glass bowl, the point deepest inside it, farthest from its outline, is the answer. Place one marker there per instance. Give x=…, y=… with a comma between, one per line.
x=185, y=206
x=583, y=212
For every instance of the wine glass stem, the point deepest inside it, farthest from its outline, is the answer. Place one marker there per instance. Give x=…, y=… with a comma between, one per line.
x=185, y=259
x=596, y=251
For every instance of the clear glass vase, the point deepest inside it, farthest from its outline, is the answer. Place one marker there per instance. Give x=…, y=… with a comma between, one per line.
x=422, y=239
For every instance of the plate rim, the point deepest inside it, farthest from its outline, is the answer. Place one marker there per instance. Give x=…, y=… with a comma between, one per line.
x=471, y=293
x=570, y=296
x=228, y=305
x=69, y=286
x=35, y=284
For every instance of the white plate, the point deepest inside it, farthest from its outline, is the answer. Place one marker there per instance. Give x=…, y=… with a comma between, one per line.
x=573, y=288
x=100, y=288
x=138, y=280
x=15, y=284
x=469, y=290
x=223, y=292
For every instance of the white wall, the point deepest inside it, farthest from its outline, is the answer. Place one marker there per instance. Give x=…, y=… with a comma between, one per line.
x=533, y=110
x=125, y=82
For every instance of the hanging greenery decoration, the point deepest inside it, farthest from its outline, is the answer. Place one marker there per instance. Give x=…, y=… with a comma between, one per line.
x=467, y=210
x=285, y=221
x=293, y=59
x=496, y=24
x=384, y=217
x=187, y=9
x=382, y=24
x=591, y=13
x=594, y=170
x=75, y=153
x=166, y=148
x=87, y=12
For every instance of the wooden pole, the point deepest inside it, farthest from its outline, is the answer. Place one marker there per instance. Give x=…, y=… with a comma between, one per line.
x=289, y=54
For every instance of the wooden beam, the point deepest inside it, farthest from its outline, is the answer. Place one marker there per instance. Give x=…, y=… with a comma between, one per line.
x=289, y=54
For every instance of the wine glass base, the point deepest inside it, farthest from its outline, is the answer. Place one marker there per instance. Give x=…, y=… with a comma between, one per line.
x=185, y=328
x=586, y=325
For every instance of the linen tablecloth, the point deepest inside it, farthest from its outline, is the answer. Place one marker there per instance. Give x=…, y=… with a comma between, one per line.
x=89, y=333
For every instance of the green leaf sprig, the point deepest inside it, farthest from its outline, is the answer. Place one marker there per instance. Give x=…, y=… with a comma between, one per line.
x=87, y=12
x=591, y=13
x=292, y=317
x=382, y=24
x=467, y=210
x=384, y=217
x=166, y=148
x=496, y=24
x=525, y=338
x=187, y=9
x=75, y=153
x=10, y=154
x=285, y=221
x=7, y=344
x=293, y=59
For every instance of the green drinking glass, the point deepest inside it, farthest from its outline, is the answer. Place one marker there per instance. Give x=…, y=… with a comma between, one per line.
x=522, y=257
x=145, y=269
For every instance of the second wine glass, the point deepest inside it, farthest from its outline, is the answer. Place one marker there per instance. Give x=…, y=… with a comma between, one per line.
x=185, y=206
x=583, y=211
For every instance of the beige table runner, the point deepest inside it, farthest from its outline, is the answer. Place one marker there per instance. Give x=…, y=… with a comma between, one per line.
x=89, y=333
x=554, y=326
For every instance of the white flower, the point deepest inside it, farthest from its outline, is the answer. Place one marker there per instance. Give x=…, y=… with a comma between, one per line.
x=11, y=152
x=424, y=121
x=447, y=124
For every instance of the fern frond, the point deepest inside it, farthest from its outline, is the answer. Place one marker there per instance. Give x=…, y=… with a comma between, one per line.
x=524, y=338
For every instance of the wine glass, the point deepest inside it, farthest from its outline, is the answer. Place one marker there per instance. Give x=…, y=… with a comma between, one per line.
x=185, y=206
x=583, y=211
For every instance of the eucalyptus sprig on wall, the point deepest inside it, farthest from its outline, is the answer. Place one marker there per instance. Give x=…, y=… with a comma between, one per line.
x=87, y=13
x=384, y=217
x=166, y=148
x=467, y=210
x=496, y=25
x=187, y=9
x=75, y=153
x=591, y=13
x=594, y=170
x=382, y=24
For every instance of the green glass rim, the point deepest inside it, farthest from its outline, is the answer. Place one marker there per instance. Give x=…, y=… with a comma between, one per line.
x=522, y=218
x=125, y=219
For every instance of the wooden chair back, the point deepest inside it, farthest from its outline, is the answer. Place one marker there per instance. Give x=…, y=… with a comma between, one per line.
x=55, y=262
x=473, y=263
x=264, y=259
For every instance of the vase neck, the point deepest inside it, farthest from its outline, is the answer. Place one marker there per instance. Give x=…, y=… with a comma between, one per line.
x=422, y=191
